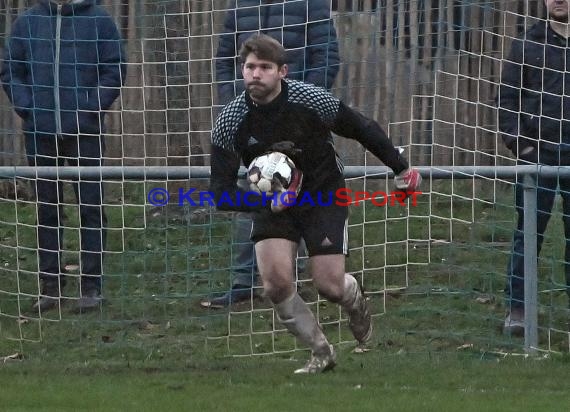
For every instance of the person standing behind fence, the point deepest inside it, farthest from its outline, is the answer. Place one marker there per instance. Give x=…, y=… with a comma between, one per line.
x=534, y=121
x=63, y=67
x=307, y=32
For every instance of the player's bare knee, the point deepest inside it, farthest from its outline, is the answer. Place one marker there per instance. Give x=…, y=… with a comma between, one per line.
x=333, y=292
x=330, y=284
x=277, y=293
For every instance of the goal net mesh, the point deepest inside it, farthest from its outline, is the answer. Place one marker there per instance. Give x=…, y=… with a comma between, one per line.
x=433, y=271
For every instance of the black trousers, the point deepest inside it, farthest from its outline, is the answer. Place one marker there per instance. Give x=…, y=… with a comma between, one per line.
x=83, y=150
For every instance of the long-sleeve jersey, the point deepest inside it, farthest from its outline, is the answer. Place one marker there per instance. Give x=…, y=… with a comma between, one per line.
x=298, y=123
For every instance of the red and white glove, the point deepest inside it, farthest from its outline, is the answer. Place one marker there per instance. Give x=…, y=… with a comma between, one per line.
x=285, y=198
x=409, y=180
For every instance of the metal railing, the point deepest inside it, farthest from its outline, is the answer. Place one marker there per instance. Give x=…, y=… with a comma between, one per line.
x=203, y=172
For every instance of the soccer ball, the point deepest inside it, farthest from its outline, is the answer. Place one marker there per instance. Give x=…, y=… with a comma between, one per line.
x=271, y=172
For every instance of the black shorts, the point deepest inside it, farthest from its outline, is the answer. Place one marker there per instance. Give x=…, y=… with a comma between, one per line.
x=324, y=228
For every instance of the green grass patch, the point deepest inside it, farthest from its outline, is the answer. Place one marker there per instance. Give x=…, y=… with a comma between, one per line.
x=371, y=382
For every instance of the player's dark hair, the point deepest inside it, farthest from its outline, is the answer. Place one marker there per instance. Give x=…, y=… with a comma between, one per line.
x=265, y=48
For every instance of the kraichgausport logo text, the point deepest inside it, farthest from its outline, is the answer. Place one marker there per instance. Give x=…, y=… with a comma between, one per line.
x=340, y=197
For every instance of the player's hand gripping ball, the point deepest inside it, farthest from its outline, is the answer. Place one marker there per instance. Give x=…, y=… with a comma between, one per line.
x=271, y=172
x=275, y=173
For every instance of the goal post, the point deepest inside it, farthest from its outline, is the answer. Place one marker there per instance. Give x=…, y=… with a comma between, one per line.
x=433, y=272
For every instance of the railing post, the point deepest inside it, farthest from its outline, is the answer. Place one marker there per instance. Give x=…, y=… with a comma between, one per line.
x=530, y=265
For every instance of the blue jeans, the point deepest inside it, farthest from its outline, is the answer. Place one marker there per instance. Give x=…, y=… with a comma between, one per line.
x=244, y=270
x=546, y=193
x=48, y=150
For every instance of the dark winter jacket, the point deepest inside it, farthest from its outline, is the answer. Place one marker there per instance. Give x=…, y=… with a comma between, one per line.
x=534, y=95
x=303, y=27
x=62, y=66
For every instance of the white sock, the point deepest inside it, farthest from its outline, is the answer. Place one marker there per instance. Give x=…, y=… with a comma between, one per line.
x=296, y=316
x=351, y=293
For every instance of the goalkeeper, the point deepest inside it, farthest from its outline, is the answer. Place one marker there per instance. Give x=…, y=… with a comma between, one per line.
x=275, y=114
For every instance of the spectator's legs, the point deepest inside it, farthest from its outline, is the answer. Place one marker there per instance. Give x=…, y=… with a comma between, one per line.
x=244, y=266
x=87, y=151
x=243, y=270
x=42, y=150
x=565, y=193
x=50, y=215
x=546, y=191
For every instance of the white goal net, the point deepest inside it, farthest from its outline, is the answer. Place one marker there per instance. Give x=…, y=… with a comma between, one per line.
x=433, y=271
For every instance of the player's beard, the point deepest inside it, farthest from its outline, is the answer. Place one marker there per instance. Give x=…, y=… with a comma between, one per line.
x=259, y=91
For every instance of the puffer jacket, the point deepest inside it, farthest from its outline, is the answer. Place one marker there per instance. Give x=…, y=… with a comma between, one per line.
x=304, y=28
x=63, y=66
x=534, y=95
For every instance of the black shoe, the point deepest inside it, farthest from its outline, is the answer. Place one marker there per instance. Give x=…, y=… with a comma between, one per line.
x=49, y=297
x=90, y=300
x=238, y=293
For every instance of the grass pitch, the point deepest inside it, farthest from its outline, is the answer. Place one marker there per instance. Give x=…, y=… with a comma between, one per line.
x=379, y=380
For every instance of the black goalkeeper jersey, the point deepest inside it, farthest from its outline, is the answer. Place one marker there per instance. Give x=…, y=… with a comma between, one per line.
x=298, y=123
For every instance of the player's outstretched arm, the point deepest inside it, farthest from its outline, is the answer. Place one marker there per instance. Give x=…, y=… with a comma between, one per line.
x=349, y=123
